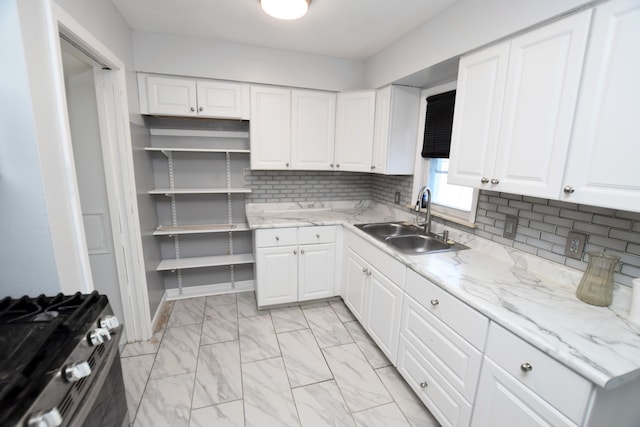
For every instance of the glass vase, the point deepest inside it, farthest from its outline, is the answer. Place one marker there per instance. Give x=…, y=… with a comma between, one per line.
x=596, y=286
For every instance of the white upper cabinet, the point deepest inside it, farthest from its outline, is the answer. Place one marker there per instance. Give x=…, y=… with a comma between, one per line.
x=603, y=160
x=354, y=130
x=181, y=96
x=533, y=128
x=396, y=130
x=313, y=129
x=270, y=128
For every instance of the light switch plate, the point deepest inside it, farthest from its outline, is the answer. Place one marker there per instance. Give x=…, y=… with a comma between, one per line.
x=510, y=226
x=575, y=244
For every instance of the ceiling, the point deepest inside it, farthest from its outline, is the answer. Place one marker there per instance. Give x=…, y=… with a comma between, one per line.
x=351, y=29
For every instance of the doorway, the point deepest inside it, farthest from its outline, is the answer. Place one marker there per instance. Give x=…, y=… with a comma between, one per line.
x=84, y=125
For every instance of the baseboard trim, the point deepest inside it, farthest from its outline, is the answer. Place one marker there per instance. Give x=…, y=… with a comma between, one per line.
x=156, y=316
x=208, y=290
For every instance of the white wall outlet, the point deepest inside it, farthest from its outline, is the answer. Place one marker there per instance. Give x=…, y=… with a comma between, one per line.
x=575, y=244
x=510, y=226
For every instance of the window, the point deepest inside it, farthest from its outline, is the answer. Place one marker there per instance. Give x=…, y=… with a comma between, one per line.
x=448, y=195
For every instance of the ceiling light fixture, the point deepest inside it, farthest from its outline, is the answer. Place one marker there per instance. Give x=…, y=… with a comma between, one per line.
x=285, y=9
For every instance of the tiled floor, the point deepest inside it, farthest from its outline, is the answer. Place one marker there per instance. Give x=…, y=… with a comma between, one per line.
x=221, y=362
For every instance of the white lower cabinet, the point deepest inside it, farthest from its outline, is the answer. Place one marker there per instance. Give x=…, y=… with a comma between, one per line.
x=520, y=385
x=295, y=264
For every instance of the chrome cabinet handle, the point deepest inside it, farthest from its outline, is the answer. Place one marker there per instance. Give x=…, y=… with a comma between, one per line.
x=373, y=167
x=495, y=181
x=277, y=239
x=301, y=251
x=424, y=384
x=193, y=109
x=287, y=164
x=435, y=302
x=484, y=180
x=201, y=109
x=526, y=367
x=331, y=165
x=569, y=189
x=295, y=252
x=337, y=165
x=364, y=269
x=317, y=236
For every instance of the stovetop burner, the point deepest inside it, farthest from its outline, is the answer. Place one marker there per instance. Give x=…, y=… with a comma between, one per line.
x=40, y=309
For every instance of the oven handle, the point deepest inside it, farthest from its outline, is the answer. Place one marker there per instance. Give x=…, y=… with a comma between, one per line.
x=93, y=391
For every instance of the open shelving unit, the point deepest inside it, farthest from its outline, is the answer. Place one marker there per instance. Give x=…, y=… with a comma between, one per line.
x=199, y=179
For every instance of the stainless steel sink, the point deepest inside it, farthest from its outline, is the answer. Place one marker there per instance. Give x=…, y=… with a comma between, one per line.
x=409, y=238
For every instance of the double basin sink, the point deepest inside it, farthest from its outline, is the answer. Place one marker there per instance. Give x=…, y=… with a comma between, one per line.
x=408, y=238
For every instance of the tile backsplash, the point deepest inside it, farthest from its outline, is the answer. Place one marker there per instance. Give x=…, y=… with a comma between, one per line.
x=543, y=225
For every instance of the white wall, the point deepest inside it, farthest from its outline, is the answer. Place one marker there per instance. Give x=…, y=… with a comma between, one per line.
x=465, y=26
x=198, y=57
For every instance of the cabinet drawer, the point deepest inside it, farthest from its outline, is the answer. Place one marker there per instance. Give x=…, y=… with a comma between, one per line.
x=384, y=263
x=449, y=408
x=457, y=360
x=561, y=387
x=457, y=315
x=276, y=237
x=319, y=234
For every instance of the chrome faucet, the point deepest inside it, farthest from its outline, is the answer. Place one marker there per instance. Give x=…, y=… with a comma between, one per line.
x=427, y=216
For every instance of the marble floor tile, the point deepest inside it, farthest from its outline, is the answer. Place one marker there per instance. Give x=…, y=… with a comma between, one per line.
x=343, y=312
x=410, y=405
x=144, y=347
x=326, y=326
x=247, y=305
x=220, y=324
x=218, y=378
x=135, y=372
x=229, y=414
x=178, y=352
x=288, y=319
x=268, y=400
x=303, y=359
x=166, y=402
x=313, y=304
x=321, y=405
x=187, y=312
x=257, y=338
x=223, y=299
x=360, y=386
x=370, y=349
x=381, y=416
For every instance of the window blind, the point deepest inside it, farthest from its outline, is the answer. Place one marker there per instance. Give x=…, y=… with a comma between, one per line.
x=438, y=124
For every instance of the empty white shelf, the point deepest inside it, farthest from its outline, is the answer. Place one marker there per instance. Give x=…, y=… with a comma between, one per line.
x=199, y=190
x=203, y=133
x=207, y=261
x=165, y=150
x=169, y=230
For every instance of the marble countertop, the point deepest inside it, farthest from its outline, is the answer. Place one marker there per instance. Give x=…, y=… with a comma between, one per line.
x=531, y=297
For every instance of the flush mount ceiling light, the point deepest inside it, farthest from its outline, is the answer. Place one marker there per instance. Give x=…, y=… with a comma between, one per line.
x=285, y=9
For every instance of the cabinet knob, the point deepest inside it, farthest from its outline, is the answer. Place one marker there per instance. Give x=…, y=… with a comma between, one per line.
x=277, y=239
x=424, y=384
x=364, y=269
x=301, y=251
x=193, y=109
x=287, y=164
x=495, y=181
x=373, y=167
x=435, y=301
x=568, y=189
x=337, y=165
x=295, y=252
x=526, y=367
x=368, y=273
x=317, y=236
x=484, y=180
x=200, y=109
x=331, y=165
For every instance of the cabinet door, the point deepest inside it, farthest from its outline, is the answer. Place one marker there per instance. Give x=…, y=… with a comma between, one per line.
x=395, y=130
x=354, y=130
x=545, y=66
x=502, y=401
x=316, y=271
x=219, y=99
x=382, y=319
x=276, y=275
x=476, y=120
x=171, y=96
x=270, y=128
x=356, y=283
x=313, y=129
x=603, y=162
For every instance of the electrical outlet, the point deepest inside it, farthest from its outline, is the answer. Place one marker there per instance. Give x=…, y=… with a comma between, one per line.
x=510, y=226
x=575, y=244
x=397, y=198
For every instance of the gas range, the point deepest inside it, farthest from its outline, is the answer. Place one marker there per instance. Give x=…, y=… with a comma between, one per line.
x=58, y=355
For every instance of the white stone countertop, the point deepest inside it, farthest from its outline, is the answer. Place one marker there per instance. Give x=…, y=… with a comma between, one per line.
x=531, y=297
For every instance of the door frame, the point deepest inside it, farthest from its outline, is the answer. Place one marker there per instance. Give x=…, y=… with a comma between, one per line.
x=113, y=114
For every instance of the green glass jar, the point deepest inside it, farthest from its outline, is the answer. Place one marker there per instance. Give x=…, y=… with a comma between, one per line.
x=596, y=286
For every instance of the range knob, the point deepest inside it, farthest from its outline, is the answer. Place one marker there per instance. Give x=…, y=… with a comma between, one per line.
x=98, y=336
x=109, y=322
x=76, y=371
x=50, y=418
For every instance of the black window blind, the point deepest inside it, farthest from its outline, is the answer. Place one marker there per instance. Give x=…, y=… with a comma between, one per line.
x=438, y=124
